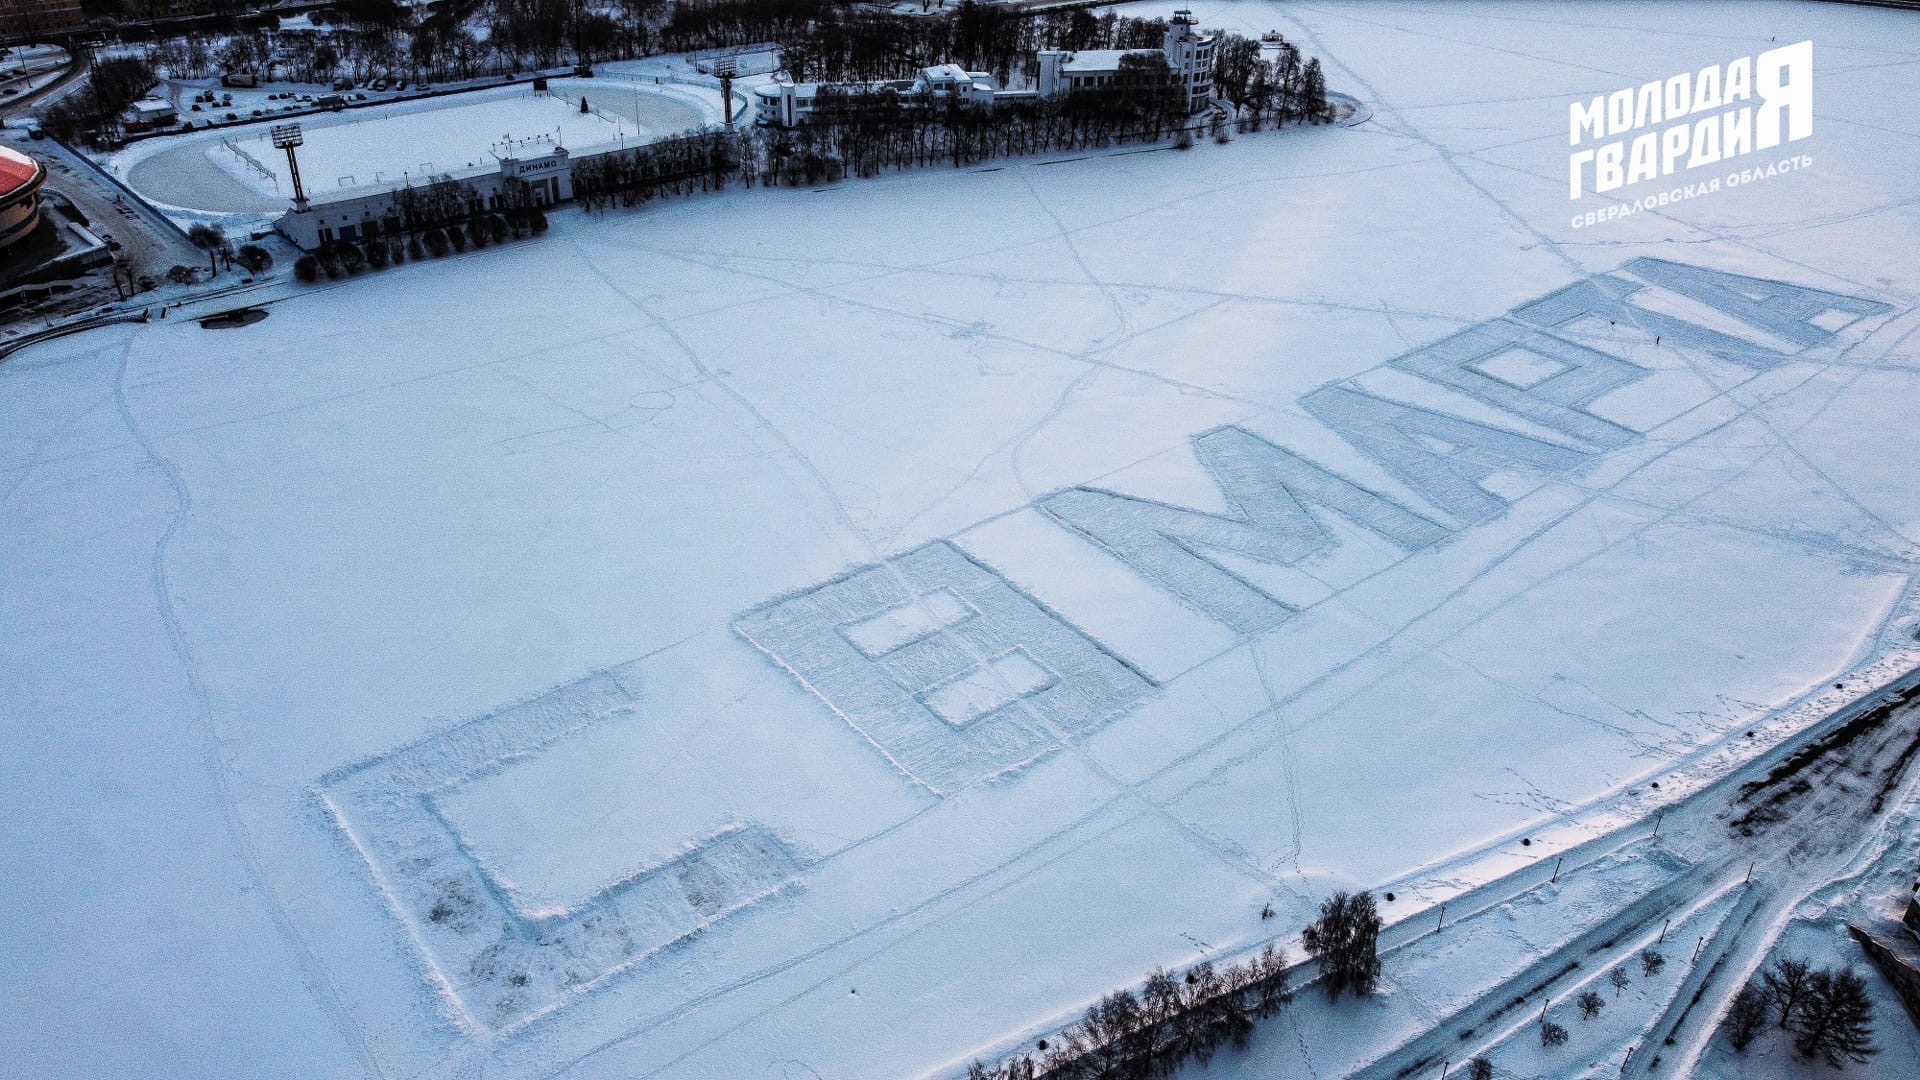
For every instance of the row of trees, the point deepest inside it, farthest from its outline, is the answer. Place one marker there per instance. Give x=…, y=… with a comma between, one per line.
x=347, y=257
x=699, y=161
x=822, y=41
x=358, y=52
x=857, y=134
x=1590, y=1004
x=365, y=38
x=374, y=37
x=1827, y=1011
x=1171, y=1020
x=1262, y=89
x=221, y=252
x=829, y=42
x=545, y=31
x=377, y=37
x=1128, y=1036
x=706, y=24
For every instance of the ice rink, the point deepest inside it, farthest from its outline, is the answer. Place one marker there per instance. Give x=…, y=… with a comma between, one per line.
x=237, y=170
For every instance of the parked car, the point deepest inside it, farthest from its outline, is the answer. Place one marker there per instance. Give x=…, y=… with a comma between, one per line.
x=343, y=84
x=379, y=84
x=331, y=101
x=399, y=86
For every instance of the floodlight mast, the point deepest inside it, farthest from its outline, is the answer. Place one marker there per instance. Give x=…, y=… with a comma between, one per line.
x=286, y=137
x=724, y=67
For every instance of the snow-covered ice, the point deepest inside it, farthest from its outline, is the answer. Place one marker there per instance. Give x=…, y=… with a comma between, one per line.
x=841, y=632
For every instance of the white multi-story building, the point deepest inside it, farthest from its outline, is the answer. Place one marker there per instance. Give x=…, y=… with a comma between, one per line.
x=1190, y=55
x=951, y=80
x=787, y=104
x=1187, y=52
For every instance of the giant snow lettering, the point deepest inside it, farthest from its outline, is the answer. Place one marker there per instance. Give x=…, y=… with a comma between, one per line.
x=1443, y=457
x=1270, y=490
x=500, y=964
x=1032, y=681
x=1609, y=297
x=1530, y=373
x=956, y=676
x=1794, y=313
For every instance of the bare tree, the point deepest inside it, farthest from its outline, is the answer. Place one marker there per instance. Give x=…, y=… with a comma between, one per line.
x=1552, y=1034
x=1109, y=1027
x=1273, y=989
x=1590, y=1004
x=210, y=239
x=1313, y=91
x=1346, y=942
x=1651, y=962
x=1745, y=1017
x=1619, y=978
x=1479, y=1069
x=1786, y=985
x=1834, y=1021
x=1161, y=1000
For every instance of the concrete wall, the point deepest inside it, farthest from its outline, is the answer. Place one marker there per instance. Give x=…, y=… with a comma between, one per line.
x=1896, y=959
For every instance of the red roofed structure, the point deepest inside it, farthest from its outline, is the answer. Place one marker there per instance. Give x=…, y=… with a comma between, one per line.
x=20, y=180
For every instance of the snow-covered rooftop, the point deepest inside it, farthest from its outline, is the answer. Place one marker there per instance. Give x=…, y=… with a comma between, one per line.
x=1095, y=61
